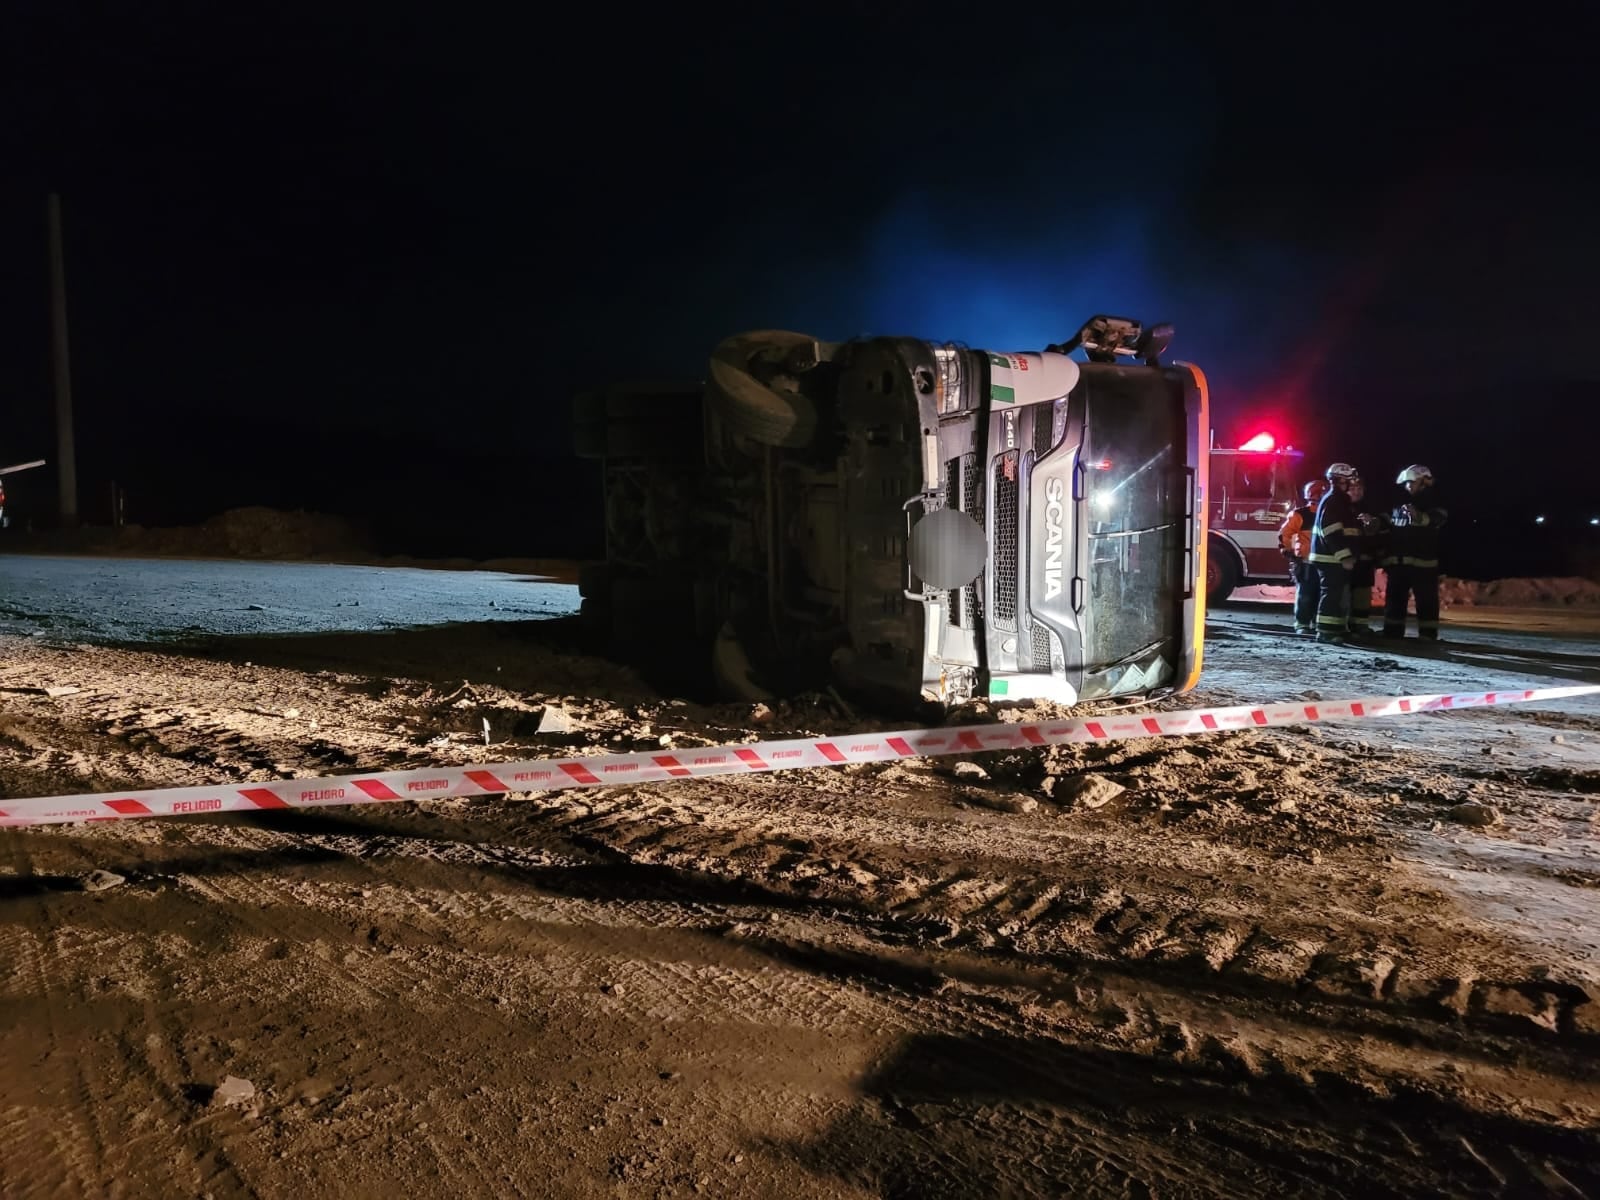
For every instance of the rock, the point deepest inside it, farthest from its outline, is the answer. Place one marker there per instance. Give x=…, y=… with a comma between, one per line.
x=1527, y=1004
x=760, y=714
x=1360, y=975
x=1451, y=993
x=1586, y=1019
x=1558, y=740
x=1276, y=960
x=1475, y=814
x=554, y=719
x=234, y=1092
x=291, y=712
x=970, y=771
x=1003, y=801
x=1085, y=791
x=64, y=689
x=613, y=989
x=1286, y=806
x=99, y=881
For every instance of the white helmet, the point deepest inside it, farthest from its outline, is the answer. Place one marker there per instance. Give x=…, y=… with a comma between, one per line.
x=1416, y=471
x=1341, y=471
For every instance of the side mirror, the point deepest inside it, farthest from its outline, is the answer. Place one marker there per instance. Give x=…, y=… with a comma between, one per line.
x=1153, y=343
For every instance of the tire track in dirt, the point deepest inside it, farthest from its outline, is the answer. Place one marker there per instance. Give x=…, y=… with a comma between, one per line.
x=75, y=1130
x=992, y=905
x=640, y=990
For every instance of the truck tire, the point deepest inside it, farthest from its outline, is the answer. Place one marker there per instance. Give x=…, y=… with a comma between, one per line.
x=757, y=410
x=1222, y=570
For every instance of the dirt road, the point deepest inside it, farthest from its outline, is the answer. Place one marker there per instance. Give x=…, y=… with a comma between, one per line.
x=1273, y=962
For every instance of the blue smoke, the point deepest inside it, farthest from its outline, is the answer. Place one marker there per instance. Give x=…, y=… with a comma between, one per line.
x=1017, y=288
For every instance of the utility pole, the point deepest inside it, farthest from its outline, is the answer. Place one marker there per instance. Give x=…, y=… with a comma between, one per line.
x=66, y=459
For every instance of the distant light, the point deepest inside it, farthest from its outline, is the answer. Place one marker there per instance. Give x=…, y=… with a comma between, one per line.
x=1594, y=520
x=1539, y=520
x=1262, y=441
x=1102, y=501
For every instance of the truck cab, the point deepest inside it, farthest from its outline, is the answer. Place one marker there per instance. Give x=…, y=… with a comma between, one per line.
x=910, y=521
x=14, y=468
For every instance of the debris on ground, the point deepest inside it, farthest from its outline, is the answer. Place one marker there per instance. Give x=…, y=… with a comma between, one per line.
x=1001, y=801
x=99, y=881
x=555, y=719
x=1472, y=813
x=234, y=1092
x=1082, y=790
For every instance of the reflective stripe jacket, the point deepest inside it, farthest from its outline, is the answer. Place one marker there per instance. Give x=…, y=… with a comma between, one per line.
x=1294, y=535
x=1333, y=536
x=1414, y=535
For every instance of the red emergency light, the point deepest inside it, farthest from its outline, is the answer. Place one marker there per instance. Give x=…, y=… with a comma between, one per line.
x=1262, y=442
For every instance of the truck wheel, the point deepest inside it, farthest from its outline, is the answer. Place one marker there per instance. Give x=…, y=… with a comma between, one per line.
x=767, y=415
x=1222, y=571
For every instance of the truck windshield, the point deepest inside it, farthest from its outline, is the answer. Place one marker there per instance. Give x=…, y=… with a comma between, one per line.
x=1133, y=510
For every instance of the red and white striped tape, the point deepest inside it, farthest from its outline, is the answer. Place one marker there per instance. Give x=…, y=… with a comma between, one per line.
x=545, y=775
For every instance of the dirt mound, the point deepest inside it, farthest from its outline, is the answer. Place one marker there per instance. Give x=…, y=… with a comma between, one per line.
x=253, y=533
x=1564, y=592
x=1569, y=592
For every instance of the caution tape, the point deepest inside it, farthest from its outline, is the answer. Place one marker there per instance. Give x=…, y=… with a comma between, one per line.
x=604, y=770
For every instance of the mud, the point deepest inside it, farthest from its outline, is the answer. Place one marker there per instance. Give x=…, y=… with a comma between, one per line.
x=1268, y=964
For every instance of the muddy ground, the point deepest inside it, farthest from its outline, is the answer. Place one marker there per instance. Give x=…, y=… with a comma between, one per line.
x=1256, y=963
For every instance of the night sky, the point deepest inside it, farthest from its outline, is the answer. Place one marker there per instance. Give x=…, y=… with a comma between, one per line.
x=357, y=258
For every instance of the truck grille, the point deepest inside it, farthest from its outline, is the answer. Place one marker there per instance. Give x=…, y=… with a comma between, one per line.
x=1005, y=546
x=1041, y=647
x=961, y=491
x=1044, y=429
x=971, y=494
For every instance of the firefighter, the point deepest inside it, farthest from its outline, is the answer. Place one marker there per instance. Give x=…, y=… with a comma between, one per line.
x=1411, y=563
x=1370, y=533
x=1333, y=554
x=1294, y=539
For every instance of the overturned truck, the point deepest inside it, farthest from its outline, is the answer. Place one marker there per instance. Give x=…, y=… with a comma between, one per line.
x=908, y=522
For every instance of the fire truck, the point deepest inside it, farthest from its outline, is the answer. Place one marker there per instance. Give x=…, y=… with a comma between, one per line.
x=1253, y=488
x=11, y=470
